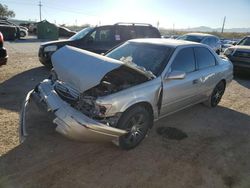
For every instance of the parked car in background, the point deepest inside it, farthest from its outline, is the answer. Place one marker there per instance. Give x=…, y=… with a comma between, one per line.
x=65, y=32
x=210, y=40
x=23, y=31
x=9, y=30
x=99, y=39
x=239, y=54
x=32, y=28
x=3, y=51
x=226, y=44
x=118, y=96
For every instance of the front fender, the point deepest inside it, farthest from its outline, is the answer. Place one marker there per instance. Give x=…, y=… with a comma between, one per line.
x=147, y=92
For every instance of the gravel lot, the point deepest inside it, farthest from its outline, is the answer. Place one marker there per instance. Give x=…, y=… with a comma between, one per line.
x=214, y=153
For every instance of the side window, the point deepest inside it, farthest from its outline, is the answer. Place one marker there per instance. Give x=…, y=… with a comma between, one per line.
x=102, y=35
x=146, y=32
x=124, y=33
x=204, y=57
x=217, y=41
x=184, y=61
x=140, y=31
x=207, y=41
x=214, y=41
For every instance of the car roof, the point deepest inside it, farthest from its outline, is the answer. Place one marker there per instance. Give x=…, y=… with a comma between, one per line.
x=166, y=42
x=125, y=25
x=200, y=34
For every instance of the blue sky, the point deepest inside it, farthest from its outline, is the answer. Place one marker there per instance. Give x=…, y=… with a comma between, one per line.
x=180, y=13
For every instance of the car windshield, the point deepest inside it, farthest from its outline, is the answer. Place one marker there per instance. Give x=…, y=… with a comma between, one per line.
x=151, y=57
x=192, y=38
x=81, y=33
x=245, y=42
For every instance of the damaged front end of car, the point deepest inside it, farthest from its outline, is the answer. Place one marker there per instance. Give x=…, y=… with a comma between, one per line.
x=75, y=91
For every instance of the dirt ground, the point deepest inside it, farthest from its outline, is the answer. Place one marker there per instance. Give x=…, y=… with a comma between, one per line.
x=214, y=153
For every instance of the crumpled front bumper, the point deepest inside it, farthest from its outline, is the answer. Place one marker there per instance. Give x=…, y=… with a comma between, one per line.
x=70, y=122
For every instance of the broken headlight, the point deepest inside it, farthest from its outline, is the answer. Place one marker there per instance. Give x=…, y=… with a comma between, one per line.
x=88, y=106
x=102, y=109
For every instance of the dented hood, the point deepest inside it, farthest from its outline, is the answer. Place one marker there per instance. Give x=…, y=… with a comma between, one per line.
x=80, y=68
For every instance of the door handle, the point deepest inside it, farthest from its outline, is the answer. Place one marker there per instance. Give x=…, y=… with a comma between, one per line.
x=196, y=81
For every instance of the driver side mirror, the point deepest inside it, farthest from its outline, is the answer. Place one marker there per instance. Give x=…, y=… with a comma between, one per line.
x=176, y=75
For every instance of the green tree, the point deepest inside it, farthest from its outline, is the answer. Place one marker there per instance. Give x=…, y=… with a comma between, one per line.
x=5, y=12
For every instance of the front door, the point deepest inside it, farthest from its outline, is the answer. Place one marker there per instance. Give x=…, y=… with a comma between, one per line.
x=180, y=93
x=100, y=40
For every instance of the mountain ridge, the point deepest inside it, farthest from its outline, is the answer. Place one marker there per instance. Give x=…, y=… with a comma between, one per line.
x=209, y=29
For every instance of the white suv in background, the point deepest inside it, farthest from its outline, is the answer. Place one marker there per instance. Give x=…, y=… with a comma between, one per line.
x=210, y=40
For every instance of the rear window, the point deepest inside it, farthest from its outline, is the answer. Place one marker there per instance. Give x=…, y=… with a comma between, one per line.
x=204, y=58
x=192, y=38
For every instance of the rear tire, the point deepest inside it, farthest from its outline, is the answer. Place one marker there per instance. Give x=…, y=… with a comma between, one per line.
x=216, y=95
x=136, y=121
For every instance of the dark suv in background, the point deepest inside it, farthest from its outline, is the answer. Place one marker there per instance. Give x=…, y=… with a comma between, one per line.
x=99, y=39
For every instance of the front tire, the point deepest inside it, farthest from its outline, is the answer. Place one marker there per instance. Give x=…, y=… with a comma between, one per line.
x=22, y=34
x=137, y=122
x=216, y=95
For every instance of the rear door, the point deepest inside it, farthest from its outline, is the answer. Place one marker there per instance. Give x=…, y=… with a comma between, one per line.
x=207, y=66
x=178, y=94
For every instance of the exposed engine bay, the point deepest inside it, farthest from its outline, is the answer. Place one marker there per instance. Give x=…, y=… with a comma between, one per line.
x=114, y=81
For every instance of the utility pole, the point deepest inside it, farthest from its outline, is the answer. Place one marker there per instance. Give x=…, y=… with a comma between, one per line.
x=224, y=20
x=40, y=10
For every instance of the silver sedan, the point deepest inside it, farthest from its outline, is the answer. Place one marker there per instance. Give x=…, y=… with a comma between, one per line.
x=118, y=96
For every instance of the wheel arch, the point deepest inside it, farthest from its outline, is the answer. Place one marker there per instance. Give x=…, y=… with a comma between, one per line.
x=145, y=105
x=224, y=81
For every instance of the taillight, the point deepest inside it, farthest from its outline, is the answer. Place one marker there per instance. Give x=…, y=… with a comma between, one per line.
x=1, y=37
